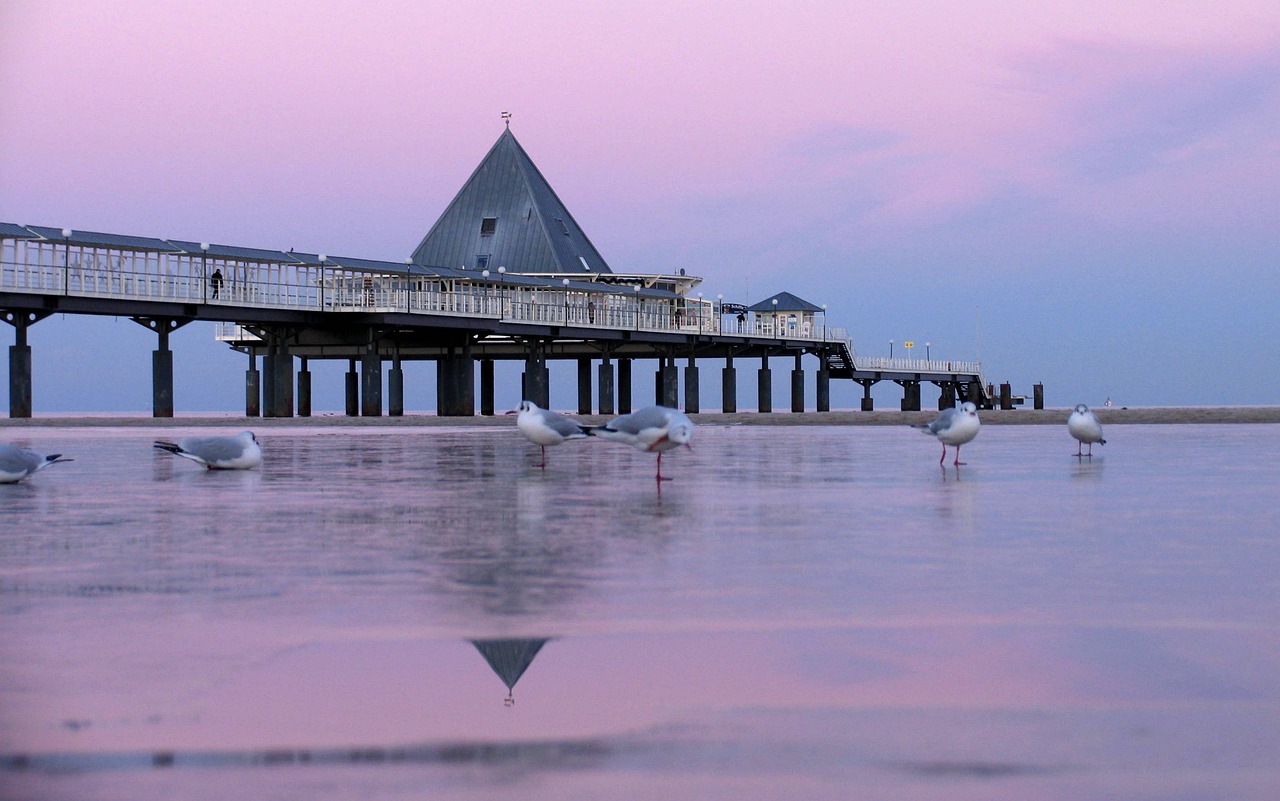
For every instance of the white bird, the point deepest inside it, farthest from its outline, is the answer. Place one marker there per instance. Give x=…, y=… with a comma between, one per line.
x=653, y=429
x=1084, y=426
x=544, y=427
x=954, y=427
x=18, y=463
x=240, y=452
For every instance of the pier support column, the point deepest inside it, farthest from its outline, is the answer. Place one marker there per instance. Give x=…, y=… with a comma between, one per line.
x=1037, y=396
x=691, y=388
x=252, y=388
x=973, y=393
x=868, y=403
x=371, y=382
x=604, y=386
x=947, y=398
x=304, y=388
x=1006, y=396
x=20, y=379
x=352, y=389
x=624, y=386
x=584, y=385
x=670, y=384
x=455, y=384
x=486, y=387
x=277, y=367
x=797, y=387
x=910, y=395
x=20, y=362
x=395, y=389
x=161, y=363
x=268, y=381
x=823, y=387
x=764, y=386
x=537, y=379
x=729, y=387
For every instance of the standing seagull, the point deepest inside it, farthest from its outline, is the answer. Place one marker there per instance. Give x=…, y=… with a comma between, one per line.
x=18, y=463
x=240, y=452
x=654, y=429
x=1084, y=426
x=954, y=427
x=544, y=427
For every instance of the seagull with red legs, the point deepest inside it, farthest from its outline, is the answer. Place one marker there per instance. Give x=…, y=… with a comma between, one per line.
x=654, y=429
x=954, y=427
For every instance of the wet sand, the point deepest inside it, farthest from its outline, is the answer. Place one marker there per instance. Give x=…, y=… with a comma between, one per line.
x=1115, y=415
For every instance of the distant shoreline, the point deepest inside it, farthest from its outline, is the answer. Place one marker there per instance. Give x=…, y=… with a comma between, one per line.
x=1115, y=415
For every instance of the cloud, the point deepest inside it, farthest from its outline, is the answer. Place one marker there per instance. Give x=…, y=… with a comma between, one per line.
x=1117, y=112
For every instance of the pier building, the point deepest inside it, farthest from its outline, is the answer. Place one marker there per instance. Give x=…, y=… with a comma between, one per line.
x=505, y=273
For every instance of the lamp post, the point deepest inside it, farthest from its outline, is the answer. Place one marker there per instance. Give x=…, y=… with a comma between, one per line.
x=636, y=290
x=204, y=270
x=720, y=313
x=777, y=329
x=408, y=283
x=926, y=351
x=891, y=349
x=66, y=260
x=502, y=291
x=565, y=283
x=824, y=322
x=699, y=312
x=485, y=275
x=322, y=259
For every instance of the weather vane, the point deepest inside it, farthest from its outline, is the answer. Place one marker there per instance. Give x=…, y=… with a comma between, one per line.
x=506, y=117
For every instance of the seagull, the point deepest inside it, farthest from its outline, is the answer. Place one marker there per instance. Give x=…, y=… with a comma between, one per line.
x=653, y=429
x=1084, y=426
x=240, y=452
x=18, y=463
x=954, y=427
x=544, y=427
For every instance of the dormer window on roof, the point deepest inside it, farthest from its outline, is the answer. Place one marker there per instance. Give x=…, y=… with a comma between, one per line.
x=488, y=226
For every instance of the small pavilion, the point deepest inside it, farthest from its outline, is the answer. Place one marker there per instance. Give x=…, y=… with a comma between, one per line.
x=784, y=314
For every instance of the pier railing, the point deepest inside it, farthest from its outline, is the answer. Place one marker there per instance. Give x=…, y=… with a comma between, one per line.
x=52, y=267
x=879, y=364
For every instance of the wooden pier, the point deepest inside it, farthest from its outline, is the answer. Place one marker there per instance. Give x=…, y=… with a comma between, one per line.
x=289, y=308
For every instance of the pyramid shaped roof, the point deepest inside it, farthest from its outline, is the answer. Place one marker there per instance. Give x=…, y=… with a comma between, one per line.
x=506, y=214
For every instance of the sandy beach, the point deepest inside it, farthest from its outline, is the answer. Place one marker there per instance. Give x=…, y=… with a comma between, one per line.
x=1115, y=415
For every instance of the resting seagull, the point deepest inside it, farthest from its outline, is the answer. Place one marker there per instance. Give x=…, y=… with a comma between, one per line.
x=654, y=429
x=1084, y=426
x=544, y=427
x=954, y=427
x=240, y=452
x=18, y=463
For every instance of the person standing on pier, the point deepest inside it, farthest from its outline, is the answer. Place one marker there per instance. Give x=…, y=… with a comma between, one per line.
x=215, y=281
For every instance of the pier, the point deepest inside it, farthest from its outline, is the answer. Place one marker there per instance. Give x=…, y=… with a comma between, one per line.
x=537, y=292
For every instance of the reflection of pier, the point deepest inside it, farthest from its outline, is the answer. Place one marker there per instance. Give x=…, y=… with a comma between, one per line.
x=506, y=273
x=509, y=659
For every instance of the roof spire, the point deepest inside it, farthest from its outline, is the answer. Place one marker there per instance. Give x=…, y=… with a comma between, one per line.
x=506, y=117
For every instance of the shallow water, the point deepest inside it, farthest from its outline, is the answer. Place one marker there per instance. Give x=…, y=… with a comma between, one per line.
x=800, y=613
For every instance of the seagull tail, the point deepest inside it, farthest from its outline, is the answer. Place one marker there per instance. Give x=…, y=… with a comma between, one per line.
x=171, y=447
x=54, y=458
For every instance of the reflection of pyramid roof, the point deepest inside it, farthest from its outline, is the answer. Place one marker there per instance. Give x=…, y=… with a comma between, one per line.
x=509, y=658
x=507, y=212
x=786, y=302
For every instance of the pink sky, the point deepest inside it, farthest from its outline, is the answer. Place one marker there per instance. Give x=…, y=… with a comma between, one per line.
x=863, y=155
